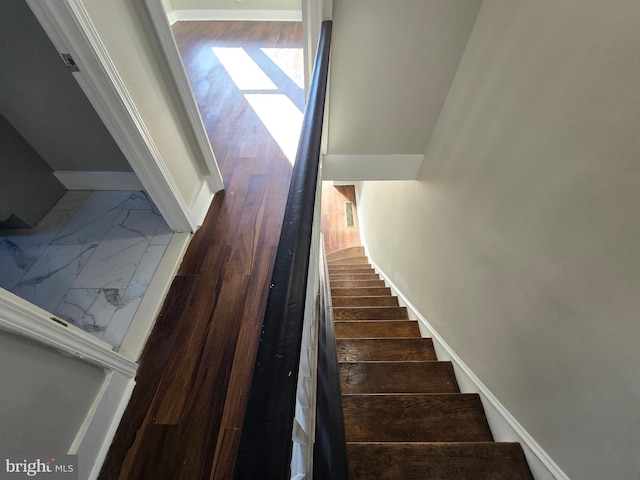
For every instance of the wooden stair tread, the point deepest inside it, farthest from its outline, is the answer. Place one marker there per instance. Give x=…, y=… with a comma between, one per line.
x=397, y=377
x=440, y=417
x=349, y=267
x=342, y=277
x=359, y=260
x=378, y=301
x=384, y=349
x=370, y=313
x=356, y=283
x=359, y=291
x=345, y=253
x=377, y=329
x=437, y=460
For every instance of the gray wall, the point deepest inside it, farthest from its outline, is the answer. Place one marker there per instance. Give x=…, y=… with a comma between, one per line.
x=41, y=99
x=28, y=188
x=520, y=242
x=44, y=396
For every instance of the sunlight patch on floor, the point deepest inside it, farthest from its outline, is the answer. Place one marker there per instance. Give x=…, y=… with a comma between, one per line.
x=281, y=117
x=278, y=113
x=242, y=69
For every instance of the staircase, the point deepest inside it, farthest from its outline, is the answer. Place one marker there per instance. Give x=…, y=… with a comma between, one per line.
x=404, y=415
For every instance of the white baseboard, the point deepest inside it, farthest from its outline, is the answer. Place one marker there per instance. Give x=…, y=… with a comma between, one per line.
x=235, y=15
x=92, y=445
x=99, y=180
x=145, y=318
x=504, y=426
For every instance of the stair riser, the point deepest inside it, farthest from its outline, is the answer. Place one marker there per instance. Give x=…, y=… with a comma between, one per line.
x=356, y=283
x=349, y=277
x=350, y=261
x=351, y=270
x=370, y=313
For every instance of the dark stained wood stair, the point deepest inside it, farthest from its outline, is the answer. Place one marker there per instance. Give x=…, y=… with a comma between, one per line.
x=404, y=415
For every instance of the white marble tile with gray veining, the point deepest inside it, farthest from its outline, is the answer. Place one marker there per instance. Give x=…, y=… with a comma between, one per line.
x=140, y=201
x=91, y=309
x=21, y=247
x=15, y=262
x=144, y=272
x=135, y=223
x=92, y=220
x=47, y=281
x=163, y=234
x=121, y=321
x=89, y=261
x=114, y=261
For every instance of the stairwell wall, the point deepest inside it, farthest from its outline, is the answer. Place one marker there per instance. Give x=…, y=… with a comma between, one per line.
x=519, y=242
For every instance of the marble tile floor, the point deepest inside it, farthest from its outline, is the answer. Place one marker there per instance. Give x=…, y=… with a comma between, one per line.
x=90, y=259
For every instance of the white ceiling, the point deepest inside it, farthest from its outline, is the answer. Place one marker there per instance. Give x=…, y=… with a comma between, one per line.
x=392, y=63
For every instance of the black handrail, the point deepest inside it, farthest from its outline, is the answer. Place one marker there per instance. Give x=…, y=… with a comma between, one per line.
x=265, y=443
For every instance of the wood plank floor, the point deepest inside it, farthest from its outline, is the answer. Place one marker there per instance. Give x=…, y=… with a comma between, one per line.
x=184, y=419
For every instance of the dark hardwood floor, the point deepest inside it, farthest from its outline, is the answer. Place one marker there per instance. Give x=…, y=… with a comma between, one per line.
x=184, y=419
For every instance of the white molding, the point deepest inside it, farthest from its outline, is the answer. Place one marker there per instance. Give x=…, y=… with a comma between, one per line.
x=96, y=435
x=27, y=320
x=99, y=180
x=171, y=17
x=235, y=15
x=69, y=27
x=168, y=44
x=371, y=167
x=504, y=426
x=147, y=313
x=201, y=203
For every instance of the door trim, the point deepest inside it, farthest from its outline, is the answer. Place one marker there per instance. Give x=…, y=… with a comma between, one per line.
x=160, y=22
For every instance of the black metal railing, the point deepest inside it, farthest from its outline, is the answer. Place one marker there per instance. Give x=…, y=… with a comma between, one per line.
x=265, y=444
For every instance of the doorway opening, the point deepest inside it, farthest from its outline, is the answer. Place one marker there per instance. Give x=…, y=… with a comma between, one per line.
x=248, y=73
x=85, y=257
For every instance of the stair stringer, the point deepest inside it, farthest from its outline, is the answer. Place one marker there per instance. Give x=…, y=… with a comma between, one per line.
x=504, y=427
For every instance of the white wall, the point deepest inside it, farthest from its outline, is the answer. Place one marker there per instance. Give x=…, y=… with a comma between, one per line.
x=167, y=6
x=44, y=396
x=124, y=29
x=520, y=241
x=392, y=64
